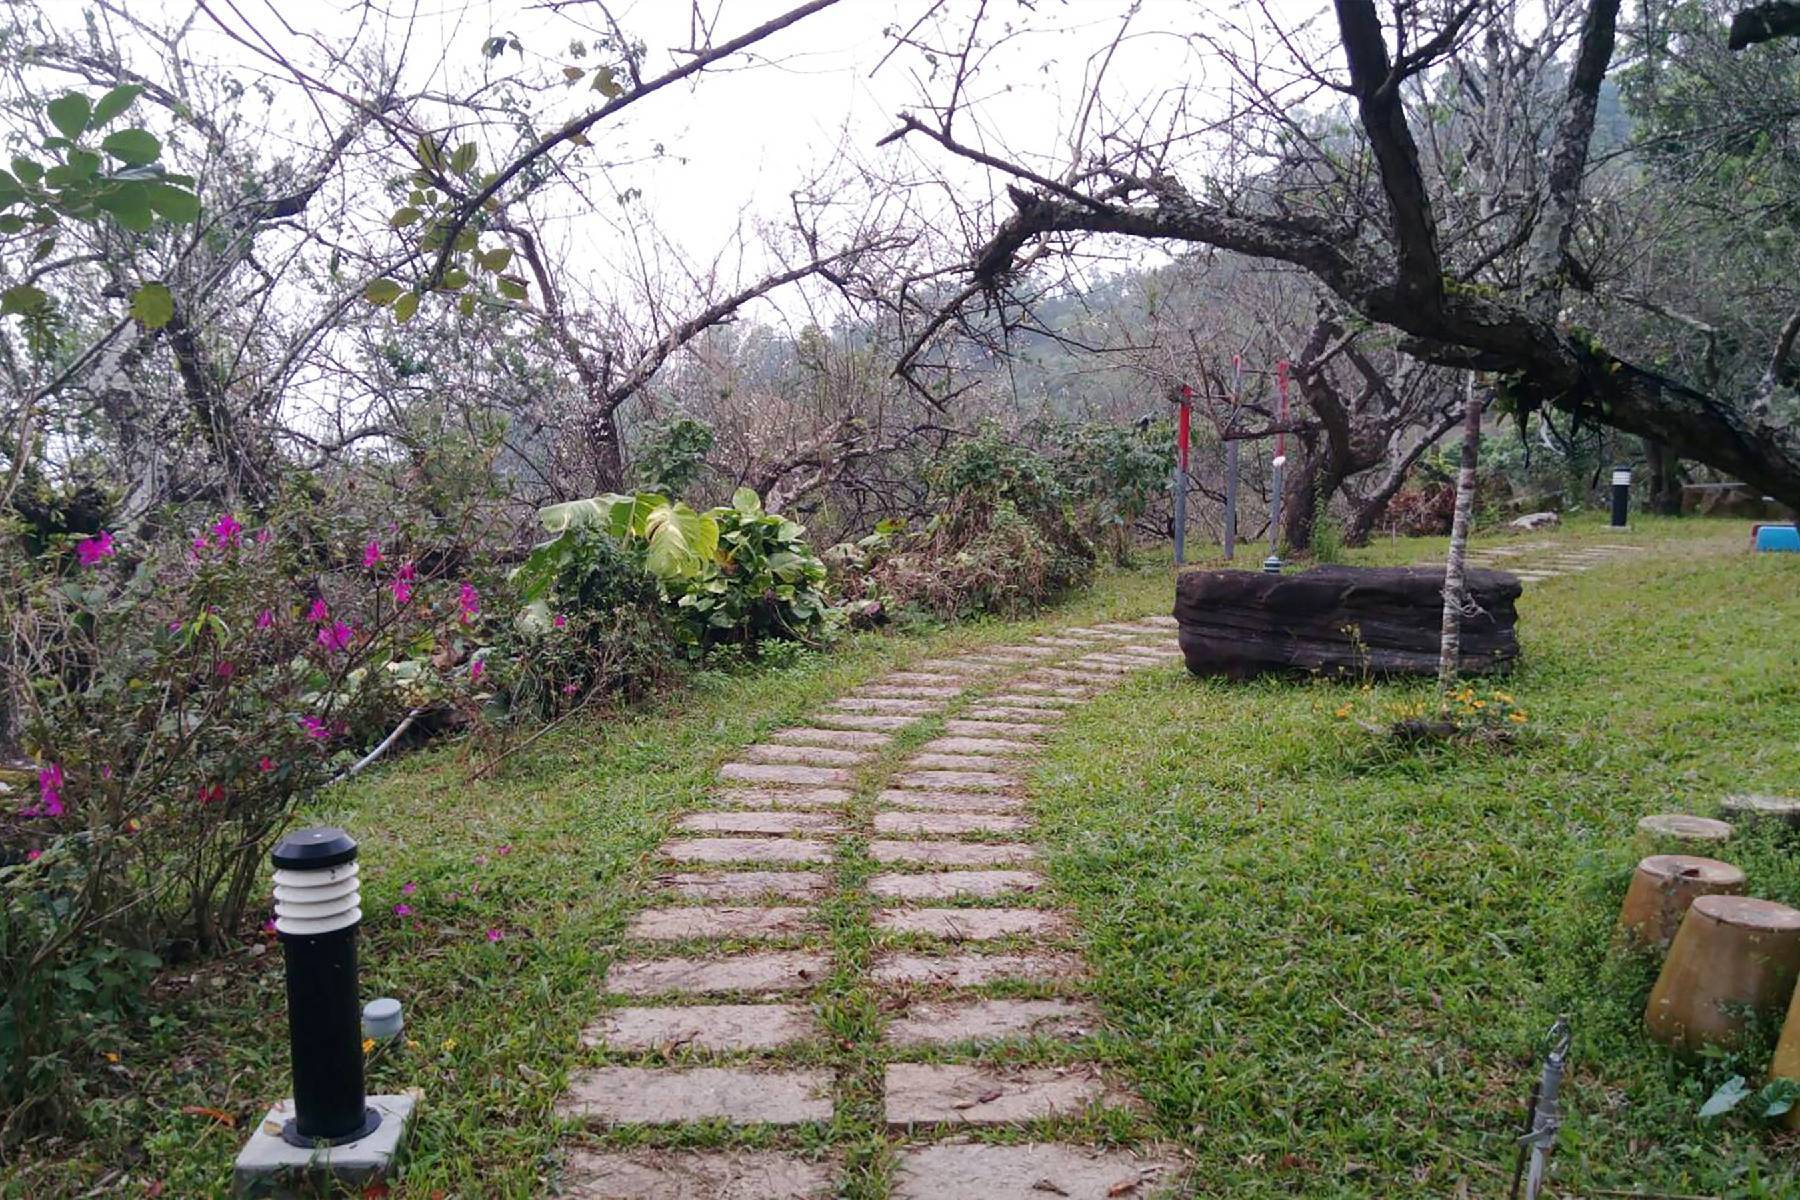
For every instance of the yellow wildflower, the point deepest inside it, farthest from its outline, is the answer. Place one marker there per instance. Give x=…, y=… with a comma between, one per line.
x=449, y=1044
x=368, y=1045
x=1344, y=711
x=1516, y=717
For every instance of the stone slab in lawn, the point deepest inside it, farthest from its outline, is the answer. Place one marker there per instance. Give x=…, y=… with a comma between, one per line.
x=1111, y=665
x=909, y=691
x=973, y=924
x=779, y=797
x=1033, y=1171
x=1060, y=675
x=1030, y=699
x=771, y=823
x=1065, y=643
x=696, y=921
x=836, y=739
x=874, y=704
x=957, y=781
x=746, y=849
x=1109, y=634
x=746, y=885
x=959, y=667
x=741, y=772
x=973, y=802
x=963, y=727
x=947, y=824
x=999, y=747
x=762, y=972
x=955, y=1094
x=945, y=1023
x=861, y=721
x=1019, y=652
x=804, y=756
x=951, y=854
x=647, y=1174
x=1169, y=653
x=667, y=1095
x=996, y=712
x=928, y=760
x=973, y=970
x=956, y=885
x=923, y=679
x=713, y=1027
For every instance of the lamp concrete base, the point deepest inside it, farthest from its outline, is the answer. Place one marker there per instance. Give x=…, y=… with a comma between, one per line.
x=269, y=1167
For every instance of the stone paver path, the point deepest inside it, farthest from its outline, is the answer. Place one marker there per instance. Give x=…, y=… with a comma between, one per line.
x=854, y=937
x=1536, y=561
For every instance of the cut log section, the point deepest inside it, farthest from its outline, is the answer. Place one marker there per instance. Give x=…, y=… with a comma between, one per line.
x=1662, y=888
x=1734, y=959
x=1340, y=621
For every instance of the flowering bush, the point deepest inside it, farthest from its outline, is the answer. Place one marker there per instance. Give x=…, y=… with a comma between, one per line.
x=1464, y=715
x=179, y=701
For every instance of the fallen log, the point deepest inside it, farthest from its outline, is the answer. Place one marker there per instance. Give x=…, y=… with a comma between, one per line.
x=1340, y=621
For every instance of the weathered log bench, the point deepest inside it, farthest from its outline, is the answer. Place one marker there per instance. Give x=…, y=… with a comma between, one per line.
x=1340, y=621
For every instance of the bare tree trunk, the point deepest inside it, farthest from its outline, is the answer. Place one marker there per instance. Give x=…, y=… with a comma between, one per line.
x=1455, y=585
x=1665, y=478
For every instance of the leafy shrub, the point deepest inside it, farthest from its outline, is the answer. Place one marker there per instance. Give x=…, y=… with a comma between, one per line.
x=1004, y=539
x=1114, y=473
x=180, y=702
x=672, y=456
x=764, y=582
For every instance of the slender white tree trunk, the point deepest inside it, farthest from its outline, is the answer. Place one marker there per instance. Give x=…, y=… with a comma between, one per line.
x=1455, y=583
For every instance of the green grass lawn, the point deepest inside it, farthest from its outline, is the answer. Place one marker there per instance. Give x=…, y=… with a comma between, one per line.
x=1325, y=968
x=1329, y=966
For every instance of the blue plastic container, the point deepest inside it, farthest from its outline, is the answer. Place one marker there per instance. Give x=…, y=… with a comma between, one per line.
x=1776, y=538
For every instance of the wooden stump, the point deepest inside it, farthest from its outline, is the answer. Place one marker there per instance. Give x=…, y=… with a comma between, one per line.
x=1779, y=809
x=1680, y=833
x=1787, y=1054
x=1733, y=958
x=1662, y=888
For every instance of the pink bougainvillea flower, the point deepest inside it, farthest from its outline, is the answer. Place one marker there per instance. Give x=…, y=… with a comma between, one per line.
x=481, y=860
x=265, y=764
x=503, y=851
x=476, y=669
x=50, y=786
x=33, y=855
x=265, y=619
x=263, y=535
x=494, y=935
x=408, y=888
x=315, y=728
x=469, y=600
x=226, y=529
x=106, y=771
x=92, y=551
x=403, y=910
x=225, y=668
x=319, y=611
x=371, y=555
x=569, y=689
x=202, y=542
x=559, y=621
x=210, y=793
x=336, y=636
x=268, y=925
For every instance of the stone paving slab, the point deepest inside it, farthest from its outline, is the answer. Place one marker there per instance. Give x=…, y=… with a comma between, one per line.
x=954, y=1094
x=999, y=747
x=803, y=756
x=970, y=802
x=696, y=921
x=956, y=885
x=1112, y=664
x=960, y=667
x=947, y=824
x=909, y=691
x=743, y=849
x=665, y=1095
x=1061, y=693
x=973, y=924
x=924, y=678
x=1098, y=632
x=714, y=1027
x=761, y=972
x=779, y=797
x=957, y=781
x=741, y=772
x=835, y=739
x=963, y=727
x=646, y=1174
x=863, y=722
x=1029, y=699
x=1019, y=652
x=746, y=885
x=928, y=760
x=1065, y=643
x=1034, y=1171
x=874, y=704
x=973, y=970
x=771, y=823
x=945, y=1023
x=951, y=854
x=995, y=712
